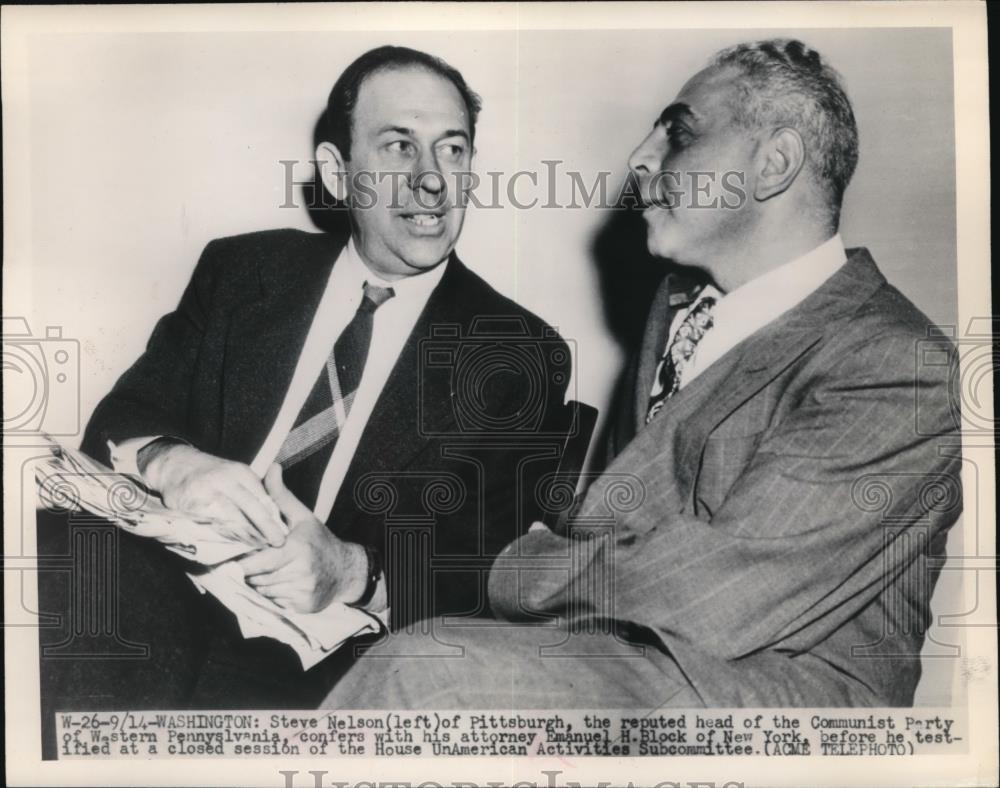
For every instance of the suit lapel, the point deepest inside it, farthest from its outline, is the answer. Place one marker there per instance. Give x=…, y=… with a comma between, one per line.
x=695, y=412
x=266, y=336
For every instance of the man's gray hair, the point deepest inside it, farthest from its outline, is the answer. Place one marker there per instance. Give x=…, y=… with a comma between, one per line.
x=783, y=82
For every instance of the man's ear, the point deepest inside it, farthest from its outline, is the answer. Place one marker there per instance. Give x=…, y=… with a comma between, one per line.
x=781, y=159
x=332, y=170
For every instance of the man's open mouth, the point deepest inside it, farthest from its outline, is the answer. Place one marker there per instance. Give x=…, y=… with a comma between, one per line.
x=424, y=219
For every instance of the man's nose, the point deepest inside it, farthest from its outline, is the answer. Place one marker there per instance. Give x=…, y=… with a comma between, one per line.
x=648, y=157
x=428, y=176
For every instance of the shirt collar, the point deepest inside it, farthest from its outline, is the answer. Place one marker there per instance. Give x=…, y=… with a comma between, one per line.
x=762, y=299
x=417, y=287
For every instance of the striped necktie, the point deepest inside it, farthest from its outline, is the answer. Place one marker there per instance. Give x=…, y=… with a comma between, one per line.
x=692, y=329
x=306, y=451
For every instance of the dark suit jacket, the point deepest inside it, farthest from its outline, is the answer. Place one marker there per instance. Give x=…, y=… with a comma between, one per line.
x=445, y=472
x=772, y=526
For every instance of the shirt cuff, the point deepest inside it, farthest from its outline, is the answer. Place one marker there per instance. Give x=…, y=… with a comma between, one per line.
x=381, y=617
x=124, y=455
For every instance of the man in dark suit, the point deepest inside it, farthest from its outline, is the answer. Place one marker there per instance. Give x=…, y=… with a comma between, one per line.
x=388, y=397
x=790, y=463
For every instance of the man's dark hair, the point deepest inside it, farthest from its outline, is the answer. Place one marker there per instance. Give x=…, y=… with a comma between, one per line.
x=343, y=97
x=783, y=82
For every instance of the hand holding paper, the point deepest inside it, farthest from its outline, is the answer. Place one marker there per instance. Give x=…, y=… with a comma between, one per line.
x=228, y=492
x=69, y=479
x=313, y=567
x=308, y=621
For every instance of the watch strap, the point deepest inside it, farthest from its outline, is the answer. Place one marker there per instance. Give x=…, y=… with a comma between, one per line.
x=374, y=559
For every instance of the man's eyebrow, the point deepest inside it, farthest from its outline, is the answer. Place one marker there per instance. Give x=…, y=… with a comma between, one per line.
x=396, y=130
x=675, y=112
x=411, y=133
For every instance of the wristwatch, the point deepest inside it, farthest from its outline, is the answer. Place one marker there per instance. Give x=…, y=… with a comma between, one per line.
x=374, y=575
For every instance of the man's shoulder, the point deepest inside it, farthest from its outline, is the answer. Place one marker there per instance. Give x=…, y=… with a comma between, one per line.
x=480, y=303
x=888, y=312
x=264, y=245
x=884, y=311
x=880, y=334
x=490, y=333
x=275, y=258
x=890, y=307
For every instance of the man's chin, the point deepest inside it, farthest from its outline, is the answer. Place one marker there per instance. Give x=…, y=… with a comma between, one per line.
x=424, y=256
x=657, y=245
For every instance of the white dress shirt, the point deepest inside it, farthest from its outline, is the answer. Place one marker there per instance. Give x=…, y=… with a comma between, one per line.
x=740, y=313
x=393, y=323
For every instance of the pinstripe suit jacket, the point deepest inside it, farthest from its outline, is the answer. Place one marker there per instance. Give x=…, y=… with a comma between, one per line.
x=780, y=523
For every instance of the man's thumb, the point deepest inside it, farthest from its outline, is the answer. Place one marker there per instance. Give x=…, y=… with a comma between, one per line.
x=291, y=508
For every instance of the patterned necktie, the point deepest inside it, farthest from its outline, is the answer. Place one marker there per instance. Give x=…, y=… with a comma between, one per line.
x=690, y=332
x=306, y=451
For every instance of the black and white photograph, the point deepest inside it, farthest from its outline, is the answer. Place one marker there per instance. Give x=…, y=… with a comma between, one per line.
x=537, y=394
